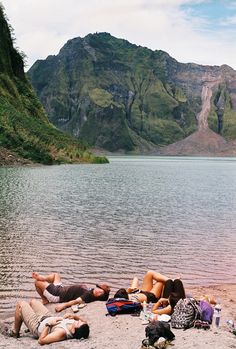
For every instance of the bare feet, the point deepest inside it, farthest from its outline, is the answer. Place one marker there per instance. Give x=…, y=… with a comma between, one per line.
x=13, y=333
x=37, y=276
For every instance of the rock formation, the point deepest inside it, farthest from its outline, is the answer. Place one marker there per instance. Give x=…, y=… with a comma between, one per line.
x=122, y=97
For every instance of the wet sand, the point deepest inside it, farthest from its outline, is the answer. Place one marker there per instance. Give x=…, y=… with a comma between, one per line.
x=127, y=332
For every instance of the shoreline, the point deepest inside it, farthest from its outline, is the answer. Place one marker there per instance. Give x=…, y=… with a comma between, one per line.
x=127, y=332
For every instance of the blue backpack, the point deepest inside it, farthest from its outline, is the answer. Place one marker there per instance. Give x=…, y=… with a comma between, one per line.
x=122, y=306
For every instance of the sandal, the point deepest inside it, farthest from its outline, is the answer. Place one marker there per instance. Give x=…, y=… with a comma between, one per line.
x=161, y=343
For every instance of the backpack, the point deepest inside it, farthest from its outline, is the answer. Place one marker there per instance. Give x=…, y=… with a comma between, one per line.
x=157, y=329
x=185, y=313
x=122, y=306
x=207, y=311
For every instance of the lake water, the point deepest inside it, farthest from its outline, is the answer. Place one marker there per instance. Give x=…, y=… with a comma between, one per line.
x=110, y=222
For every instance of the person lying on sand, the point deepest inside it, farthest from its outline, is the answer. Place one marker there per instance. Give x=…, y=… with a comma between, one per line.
x=46, y=327
x=151, y=290
x=51, y=290
x=155, y=286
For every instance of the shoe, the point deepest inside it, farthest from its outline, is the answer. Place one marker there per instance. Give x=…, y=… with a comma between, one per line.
x=145, y=343
x=197, y=323
x=13, y=334
x=201, y=324
x=205, y=325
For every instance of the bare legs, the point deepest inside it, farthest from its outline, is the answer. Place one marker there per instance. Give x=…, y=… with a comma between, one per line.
x=134, y=285
x=42, y=282
x=152, y=282
x=156, y=288
x=18, y=320
x=30, y=314
x=53, y=278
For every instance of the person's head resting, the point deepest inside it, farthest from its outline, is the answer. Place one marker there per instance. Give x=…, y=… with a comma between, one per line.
x=80, y=331
x=101, y=292
x=121, y=293
x=173, y=299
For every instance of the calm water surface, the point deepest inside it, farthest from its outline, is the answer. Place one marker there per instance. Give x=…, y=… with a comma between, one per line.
x=110, y=222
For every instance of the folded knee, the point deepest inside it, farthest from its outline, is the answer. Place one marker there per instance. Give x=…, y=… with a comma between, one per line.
x=21, y=303
x=38, y=284
x=33, y=301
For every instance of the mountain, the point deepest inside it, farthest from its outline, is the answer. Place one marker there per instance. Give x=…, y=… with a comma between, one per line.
x=121, y=97
x=26, y=135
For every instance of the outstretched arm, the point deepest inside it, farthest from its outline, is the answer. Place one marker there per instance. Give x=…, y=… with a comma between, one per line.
x=65, y=305
x=74, y=317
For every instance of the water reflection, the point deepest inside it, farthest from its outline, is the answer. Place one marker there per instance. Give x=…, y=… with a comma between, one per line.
x=110, y=222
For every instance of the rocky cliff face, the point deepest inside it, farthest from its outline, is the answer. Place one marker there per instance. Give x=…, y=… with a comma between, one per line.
x=119, y=96
x=25, y=131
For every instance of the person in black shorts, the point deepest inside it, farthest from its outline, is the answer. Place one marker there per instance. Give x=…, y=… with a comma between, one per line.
x=51, y=290
x=151, y=290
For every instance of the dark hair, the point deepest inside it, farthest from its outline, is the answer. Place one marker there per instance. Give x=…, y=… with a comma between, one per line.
x=81, y=332
x=173, y=299
x=121, y=293
x=106, y=291
x=103, y=297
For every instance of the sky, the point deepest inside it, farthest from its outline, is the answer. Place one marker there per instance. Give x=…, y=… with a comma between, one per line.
x=199, y=31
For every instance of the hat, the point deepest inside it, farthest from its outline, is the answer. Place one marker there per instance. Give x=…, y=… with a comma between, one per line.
x=104, y=287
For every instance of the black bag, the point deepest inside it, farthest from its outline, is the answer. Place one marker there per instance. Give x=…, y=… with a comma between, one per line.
x=158, y=329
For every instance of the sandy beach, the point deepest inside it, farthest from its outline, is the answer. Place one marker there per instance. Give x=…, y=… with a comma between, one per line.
x=127, y=332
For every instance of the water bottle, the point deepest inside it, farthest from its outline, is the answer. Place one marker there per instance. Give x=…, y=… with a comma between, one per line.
x=144, y=307
x=217, y=314
x=143, y=314
x=149, y=307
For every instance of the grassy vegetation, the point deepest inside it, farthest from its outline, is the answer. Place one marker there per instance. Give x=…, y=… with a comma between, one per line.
x=24, y=126
x=101, y=97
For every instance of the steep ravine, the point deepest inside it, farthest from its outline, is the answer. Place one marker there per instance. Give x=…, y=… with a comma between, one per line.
x=204, y=141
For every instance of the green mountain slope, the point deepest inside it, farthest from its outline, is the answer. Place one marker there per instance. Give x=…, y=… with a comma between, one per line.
x=119, y=96
x=24, y=126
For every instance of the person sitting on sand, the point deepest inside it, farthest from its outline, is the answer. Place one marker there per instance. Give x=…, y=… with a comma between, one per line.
x=51, y=290
x=173, y=291
x=46, y=327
